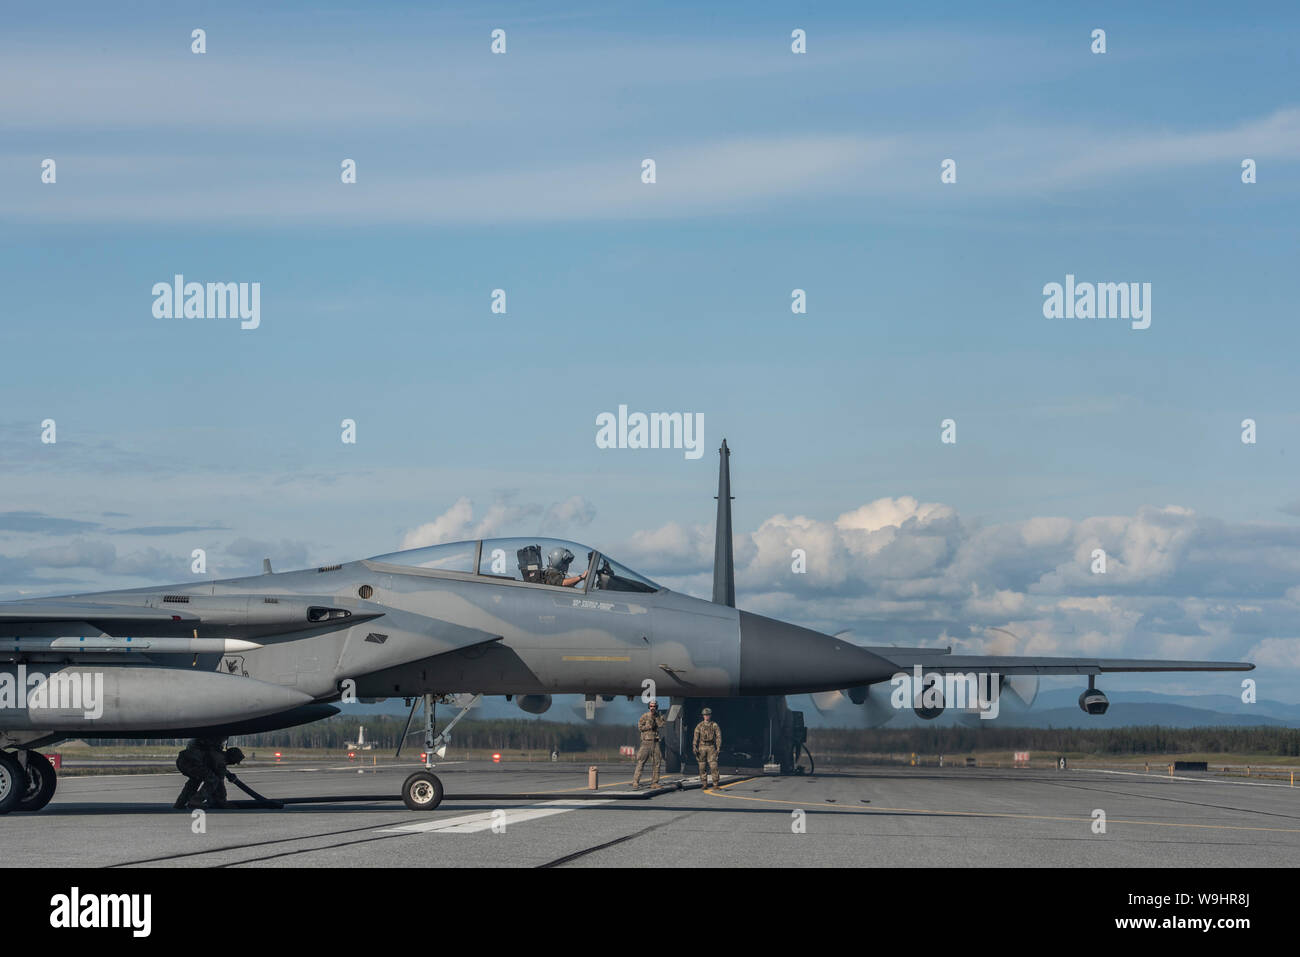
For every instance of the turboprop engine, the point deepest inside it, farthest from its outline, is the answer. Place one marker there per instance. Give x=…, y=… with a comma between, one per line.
x=534, y=703
x=1093, y=701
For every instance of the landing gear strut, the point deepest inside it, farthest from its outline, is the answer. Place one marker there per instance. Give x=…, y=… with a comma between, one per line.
x=422, y=791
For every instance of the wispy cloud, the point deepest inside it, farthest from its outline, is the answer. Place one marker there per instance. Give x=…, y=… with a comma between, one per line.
x=707, y=178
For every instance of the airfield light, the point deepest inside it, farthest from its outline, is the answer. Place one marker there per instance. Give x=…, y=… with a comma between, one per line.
x=496, y=757
x=351, y=755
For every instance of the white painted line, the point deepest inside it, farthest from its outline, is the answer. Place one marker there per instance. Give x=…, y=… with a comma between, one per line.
x=1166, y=776
x=483, y=821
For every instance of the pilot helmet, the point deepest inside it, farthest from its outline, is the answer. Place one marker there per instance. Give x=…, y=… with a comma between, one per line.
x=559, y=558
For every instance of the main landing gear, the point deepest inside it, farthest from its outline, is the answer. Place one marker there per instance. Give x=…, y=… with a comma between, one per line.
x=422, y=791
x=27, y=781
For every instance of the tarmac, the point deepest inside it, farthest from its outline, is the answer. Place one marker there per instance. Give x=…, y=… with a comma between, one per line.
x=840, y=817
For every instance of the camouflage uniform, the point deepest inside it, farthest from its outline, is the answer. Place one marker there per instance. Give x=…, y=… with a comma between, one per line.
x=649, y=725
x=707, y=747
x=204, y=763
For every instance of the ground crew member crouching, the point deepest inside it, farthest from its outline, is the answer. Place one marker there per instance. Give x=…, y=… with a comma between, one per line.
x=707, y=747
x=648, y=726
x=204, y=762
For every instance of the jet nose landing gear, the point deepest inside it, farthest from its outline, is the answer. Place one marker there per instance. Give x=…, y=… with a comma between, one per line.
x=422, y=791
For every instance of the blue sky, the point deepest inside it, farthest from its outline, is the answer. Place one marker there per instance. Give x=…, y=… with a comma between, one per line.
x=775, y=171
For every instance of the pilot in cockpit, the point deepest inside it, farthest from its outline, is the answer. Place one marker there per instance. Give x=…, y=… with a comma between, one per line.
x=557, y=568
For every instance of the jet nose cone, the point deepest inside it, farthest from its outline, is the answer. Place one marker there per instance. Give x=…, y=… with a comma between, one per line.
x=779, y=658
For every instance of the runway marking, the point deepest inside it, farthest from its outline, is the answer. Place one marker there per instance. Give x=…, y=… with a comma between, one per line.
x=1179, y=777
x=719, y=792
x=474, y=823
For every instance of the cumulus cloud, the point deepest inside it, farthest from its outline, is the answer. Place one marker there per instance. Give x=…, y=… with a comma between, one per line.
x=900, y=571
x=504, y=516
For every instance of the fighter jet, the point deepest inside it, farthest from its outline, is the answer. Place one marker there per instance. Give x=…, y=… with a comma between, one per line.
x=528, y=617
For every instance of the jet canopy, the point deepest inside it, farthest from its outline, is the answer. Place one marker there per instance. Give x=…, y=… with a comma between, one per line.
x=537, y=561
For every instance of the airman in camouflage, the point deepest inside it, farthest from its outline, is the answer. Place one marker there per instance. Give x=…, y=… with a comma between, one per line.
x=203, y=763
x=648, y=726
x=707, y=747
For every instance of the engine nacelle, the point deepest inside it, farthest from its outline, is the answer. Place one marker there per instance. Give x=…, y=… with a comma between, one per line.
x=927, y=701
x=1093, y=701
x=534, y=703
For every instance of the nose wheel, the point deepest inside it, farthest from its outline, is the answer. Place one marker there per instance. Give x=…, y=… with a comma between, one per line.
x=422, y=791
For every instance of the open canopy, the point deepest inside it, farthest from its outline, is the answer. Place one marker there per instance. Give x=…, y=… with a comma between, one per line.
x=538, y=561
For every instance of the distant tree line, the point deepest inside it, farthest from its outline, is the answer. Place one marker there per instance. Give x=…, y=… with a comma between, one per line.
x=383, y=731
x=1154, y=739
x=529, y=734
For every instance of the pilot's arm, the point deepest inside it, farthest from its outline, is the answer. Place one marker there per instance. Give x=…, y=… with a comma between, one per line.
x=574, y=580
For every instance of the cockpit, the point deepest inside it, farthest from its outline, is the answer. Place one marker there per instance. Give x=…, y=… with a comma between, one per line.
x=537, y=561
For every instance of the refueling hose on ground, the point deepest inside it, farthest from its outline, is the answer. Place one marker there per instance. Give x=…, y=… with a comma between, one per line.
x=267, y=802
x=812, y=765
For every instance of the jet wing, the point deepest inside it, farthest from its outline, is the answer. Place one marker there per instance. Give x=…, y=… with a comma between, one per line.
x=907, y=658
